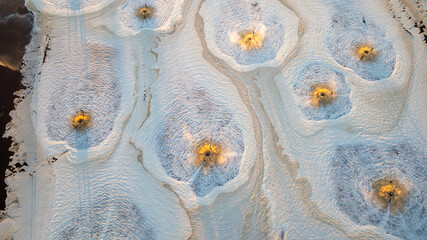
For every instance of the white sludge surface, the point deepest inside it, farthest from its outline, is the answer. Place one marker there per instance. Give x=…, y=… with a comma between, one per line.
x=89, y=83
x=124, y=221
x=192, y=120
x=243, y=119
x=355, y=168
x=191, y=105
x=225, y=20
x=66, y=7
x=352, y=28
x=86, y=89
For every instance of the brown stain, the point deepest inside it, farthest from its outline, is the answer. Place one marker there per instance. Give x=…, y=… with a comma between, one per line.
x=187, y=210
x=148, y=97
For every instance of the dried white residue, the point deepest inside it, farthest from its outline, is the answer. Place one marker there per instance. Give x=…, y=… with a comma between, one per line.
x=273, y=26
x=220, y=119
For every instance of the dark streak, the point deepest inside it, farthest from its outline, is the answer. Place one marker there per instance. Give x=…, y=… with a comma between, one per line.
x=46, y=49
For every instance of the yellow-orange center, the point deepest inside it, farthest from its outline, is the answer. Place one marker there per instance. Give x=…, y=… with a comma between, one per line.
x=208, y=155
x=81, y=120
x=251, y=40
x=145, y=12
x=322, y=95
x=365, y=53
x=390, y=193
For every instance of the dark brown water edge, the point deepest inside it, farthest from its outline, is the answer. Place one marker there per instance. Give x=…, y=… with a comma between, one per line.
x=16, y=24
x=10, y=82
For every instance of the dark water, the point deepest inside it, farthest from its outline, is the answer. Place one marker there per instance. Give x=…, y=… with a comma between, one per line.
x=16, y=24
x=10, y=82
x=15, y=32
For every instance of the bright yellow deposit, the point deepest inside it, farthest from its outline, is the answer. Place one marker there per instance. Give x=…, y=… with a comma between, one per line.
x=322, y=95
x=390, y=193
x=208, y=155
x=251, y=40
x=80, y=121
x=145, y=12
x=365, y=53
x=207, y=147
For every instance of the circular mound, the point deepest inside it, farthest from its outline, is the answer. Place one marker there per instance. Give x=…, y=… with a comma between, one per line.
x=361, y=46
x=322, y=93
x=194, y=128
x=94, y=90
x=155, y=15
x=109, y=217
x=250, y=34
x=383, y=187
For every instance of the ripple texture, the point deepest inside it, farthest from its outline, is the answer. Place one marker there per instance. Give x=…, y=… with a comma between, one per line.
x=355, y=168
x=320, y=75
x=347, y=31
x=226, y=20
